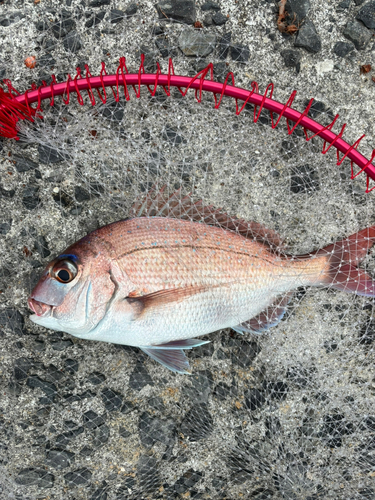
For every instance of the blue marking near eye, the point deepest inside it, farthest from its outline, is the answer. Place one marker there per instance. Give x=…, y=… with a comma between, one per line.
x=70, y=256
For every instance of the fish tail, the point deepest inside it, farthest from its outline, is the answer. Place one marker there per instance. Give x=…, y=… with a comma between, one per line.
x=343, y=258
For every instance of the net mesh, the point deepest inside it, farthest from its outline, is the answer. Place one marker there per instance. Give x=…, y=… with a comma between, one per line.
x=288, y=414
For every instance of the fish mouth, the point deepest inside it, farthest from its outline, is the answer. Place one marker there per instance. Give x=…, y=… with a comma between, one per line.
x=39, y=308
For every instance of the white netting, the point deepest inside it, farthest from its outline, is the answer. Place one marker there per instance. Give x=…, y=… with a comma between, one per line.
x=286, y=415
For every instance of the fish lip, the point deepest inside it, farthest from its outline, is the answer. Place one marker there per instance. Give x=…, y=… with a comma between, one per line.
x=39, y=308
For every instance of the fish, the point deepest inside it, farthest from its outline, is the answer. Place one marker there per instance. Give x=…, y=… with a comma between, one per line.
x=176, y=270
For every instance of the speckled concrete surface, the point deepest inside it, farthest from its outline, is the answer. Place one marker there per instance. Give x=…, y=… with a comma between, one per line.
x=286, y=415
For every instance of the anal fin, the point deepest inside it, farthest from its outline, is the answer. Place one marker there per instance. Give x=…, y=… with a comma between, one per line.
x=266, y=319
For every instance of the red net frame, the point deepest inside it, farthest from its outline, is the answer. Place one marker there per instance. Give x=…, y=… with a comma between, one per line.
x=15, y=106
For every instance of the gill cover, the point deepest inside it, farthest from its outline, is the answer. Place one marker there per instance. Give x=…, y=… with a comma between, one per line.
x=56, y=281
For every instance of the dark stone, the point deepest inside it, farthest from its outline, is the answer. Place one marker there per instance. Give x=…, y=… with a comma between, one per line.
x=81, y=194
x=99, y=3
x=86, y=451
x=45, y=61
x=197, y=43
x=189, y=479
x=181, y=10
x=11, y=319
x=367, y=333
x=59, y=459
x=100, y=493
x=153, y=429
x=112, y=399
x=72, y=42
x=48, y=388
x=30, y=198
x=92, y=420
x=240, y=53
x=342, y=49
x=210, y=6
x=207, y=20
x=299, y=376
x=304, y=179
x=367, y=14
x=219, y=19
x=202, y=350
x=157, y=404
x=127, y=407
x=164, y=47
x=112, y=111
x=21, y=368
x=131, y=10
x=5, y=227
x=358, y=34
x=172, y=136
x=201, y=386
x=23, y=164
x=41, y=25
x=96, y=378
x=7, y=20
x=61, y=345
x=100, y=436
x=297, y=9
x=124, y=433
x=335, y=426
x=41, y=246
x=48, y=155
x=223, y=45
x=34, y=477
x=277, y=390
x=80, y=477
x=63, y=27
x=291, y=58
x=197, y=423
x=273, y=427
x=7, y=193
x=3, y=73
x=140, y=377
x=308, y=38
x=95, y=19
x=254, y=399
x=71, y=366
x=344, y=5
x=370, y=423
x=245, y=353
x=116, y=15
x=222, y=391
x=148, y=474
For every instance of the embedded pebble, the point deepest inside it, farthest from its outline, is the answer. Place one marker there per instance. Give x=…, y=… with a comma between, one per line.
x=308, y=38
x=358, y=34
x=72, y=42
x=48, y=154
x=367, y=14
x=152, y=429
x=48, y=388
x=342, y=49
x=298, y=9
x=197, y=43
x=5, y=227
x=197, y=423
x=189, y=479
x=92, y=420
x=180, y=10
x=291, y=58
x=38, y=477
x=71, y=366
x=148, y=474
x=59, y=459
x=240, y=53
x=112, y=399
x=80, y=477
x=96, y=378
x=30, y=197
x=219, y=19
x=11, y=319
x=224, y=45
x=24, y=164
x=210, y=6
x=116, y=15
x=140, y=377
x=254, y=399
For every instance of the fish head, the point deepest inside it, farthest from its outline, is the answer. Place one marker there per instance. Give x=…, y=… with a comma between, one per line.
x=74, y=290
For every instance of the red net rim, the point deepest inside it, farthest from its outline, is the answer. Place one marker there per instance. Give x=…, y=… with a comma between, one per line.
x=15, y=106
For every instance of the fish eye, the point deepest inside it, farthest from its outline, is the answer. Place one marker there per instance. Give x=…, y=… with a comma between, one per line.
x=64, y=271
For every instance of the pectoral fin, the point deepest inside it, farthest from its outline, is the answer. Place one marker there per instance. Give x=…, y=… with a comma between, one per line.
x=144, y=303
x=171, y=354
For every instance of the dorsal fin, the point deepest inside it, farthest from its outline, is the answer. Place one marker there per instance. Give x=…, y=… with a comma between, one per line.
x=157, y=203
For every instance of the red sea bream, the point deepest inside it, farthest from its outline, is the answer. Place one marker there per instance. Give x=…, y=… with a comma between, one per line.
x=178, y=270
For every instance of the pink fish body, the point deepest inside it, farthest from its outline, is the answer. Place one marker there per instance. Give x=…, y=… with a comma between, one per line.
x=158, y=282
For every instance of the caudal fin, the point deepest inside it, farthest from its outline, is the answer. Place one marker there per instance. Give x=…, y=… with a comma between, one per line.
x=343, y=259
